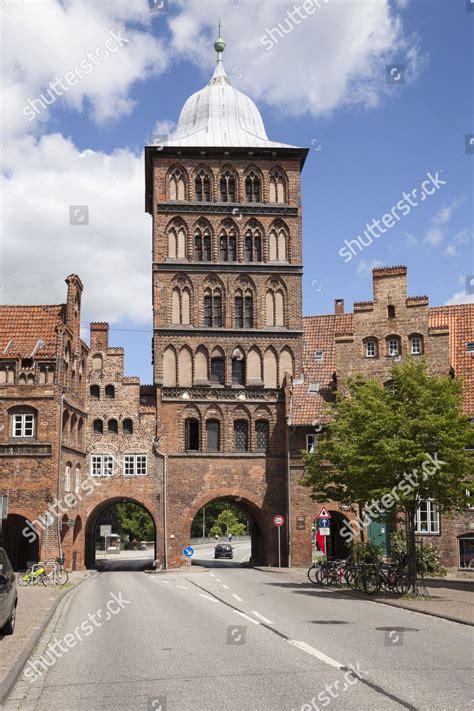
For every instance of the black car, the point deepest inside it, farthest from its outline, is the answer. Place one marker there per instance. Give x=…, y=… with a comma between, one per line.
x=223, y=550
x=8, y=595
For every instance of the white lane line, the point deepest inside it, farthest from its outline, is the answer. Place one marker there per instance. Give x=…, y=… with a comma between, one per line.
x=245, y=559
x=212, y=575
x=226, y=587
x=182, y=587
x=316, y=653
x=218, y=580
x=237, y=597
x=208, y=597
x=246, y=617
x=166, y=582
x=261, y=617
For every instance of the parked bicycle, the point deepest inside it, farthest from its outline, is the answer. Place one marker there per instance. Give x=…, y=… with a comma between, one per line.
x=366, y=577
x=34, y=575
x=49, y=572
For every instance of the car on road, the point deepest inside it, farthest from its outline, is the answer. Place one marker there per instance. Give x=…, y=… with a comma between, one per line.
x=223, y=550
x=8, y=595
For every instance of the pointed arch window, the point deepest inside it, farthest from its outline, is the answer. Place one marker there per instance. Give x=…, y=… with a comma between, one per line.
x=238, y=368
x=202, y=245
x=218, y=371
x=213, y=433
x=252, y=187
x=253, y=243
x=241, y=435
x=261, y=435
x=177, y=185
x=213, y=309
x=227, y=187
x=203, y=187
x=278, y=187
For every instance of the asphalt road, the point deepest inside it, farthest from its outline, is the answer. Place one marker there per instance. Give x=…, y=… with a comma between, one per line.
x=233, y=638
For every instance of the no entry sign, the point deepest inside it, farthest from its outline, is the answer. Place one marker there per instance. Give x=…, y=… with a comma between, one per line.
x=278, y=520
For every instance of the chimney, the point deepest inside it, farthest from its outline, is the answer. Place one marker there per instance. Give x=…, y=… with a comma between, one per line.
x=338, y=306
x=99, y=337
x=73, y=304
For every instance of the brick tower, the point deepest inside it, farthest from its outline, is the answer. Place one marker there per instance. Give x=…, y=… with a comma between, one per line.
x=227, y=268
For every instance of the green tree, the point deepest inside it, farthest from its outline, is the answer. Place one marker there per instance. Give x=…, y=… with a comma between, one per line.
x=210, y=512
x=135, y=522
x=395, y=447
x=227, y=522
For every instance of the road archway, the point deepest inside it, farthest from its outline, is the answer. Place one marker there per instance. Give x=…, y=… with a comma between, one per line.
x=103, y=513
x=20, y=541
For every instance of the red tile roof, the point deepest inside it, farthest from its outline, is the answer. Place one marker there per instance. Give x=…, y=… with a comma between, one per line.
x=320, y=333
x=459, y=319
x=24, y=326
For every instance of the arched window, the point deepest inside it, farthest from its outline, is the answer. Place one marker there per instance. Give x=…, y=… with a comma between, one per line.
x=218, y=371
x=227, y=187
x=261, y=435
x=181, y=307
x=169, y=367
x=127, y=426
x=275, y=308
x=198, y=253
x=185, y=367
x=177, y=185
x=277, y=187
x=213, y=435
x=224, y=249
x=248, y=312
x=393, y=346
x=77, y=479
x=248, y=249
x=113, y=426
x=286, y=364
x=416, y=345
x=98, y=427
x=241, y=435
x=176, y=243
x=213, y=309
x=254, y=367
x=203, y=187
x=201, y=368
x=371, y=348
x=252, y=187
x=239, y=311
x=67, y=477
x=270, y=369
x=94, y=392
x=390, y=387
x=192, y=435
x=238, y=367
x=109, y=391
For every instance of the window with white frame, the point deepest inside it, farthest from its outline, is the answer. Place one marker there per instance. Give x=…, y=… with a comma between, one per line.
x=393, y=347
x=23, y=425
x=416, y=345
x=134, y=465
x=102, y=465
x=370, y=349
x=310, y=442
x=427, y=517
x=470, y=497
x=77, y=483
x=67, y=478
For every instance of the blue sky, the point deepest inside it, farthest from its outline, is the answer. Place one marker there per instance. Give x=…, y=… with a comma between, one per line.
x=369, y=142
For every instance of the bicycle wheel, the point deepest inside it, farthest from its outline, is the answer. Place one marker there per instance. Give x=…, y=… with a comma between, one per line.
x=62, y=576
x=312, y=570
x=24, y=579
x=370, y=582
x=402, y=583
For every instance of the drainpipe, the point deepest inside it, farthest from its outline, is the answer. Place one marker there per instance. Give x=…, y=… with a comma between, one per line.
x=288, y=473
x=165, y=500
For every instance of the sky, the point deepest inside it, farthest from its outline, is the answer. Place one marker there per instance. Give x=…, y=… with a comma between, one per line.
x=380, y=91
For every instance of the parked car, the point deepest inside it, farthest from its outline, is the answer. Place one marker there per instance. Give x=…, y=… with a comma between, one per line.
x=223, y=550
x=8, y=595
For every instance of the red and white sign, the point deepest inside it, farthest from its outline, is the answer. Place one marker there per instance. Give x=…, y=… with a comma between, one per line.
x=324, y=513
x=278, y=520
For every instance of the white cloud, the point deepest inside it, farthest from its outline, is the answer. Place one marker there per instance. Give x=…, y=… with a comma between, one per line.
x=42, y=41
x=364, y=268
x=443, y=216
x=434, y=236
x=461, y=297
x=460, y=239
x=111, y=254
x=335, y=57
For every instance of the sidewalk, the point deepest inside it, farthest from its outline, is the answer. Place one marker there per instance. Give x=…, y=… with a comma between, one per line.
x=35, y=607
x=451, y=598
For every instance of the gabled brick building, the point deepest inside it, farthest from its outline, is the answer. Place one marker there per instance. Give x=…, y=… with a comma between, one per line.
x=368, y=341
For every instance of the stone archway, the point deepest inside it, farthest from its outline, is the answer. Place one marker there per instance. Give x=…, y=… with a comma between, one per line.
x=244, y=500
x=94, y=515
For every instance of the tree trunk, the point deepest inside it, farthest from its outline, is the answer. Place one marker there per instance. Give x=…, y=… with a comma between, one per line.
x=410, y=513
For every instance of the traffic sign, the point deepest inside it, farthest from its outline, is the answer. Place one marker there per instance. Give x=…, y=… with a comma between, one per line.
x=105, y=531
x=278, y=520
x=188, y=551
x=324, y=531
x=324, y=523
x=324, y=513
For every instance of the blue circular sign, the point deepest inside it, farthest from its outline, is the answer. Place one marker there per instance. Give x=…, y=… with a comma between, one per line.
x=188, y=551
x=324, y=523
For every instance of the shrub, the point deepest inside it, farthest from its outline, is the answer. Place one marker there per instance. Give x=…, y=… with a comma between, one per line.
x=427, y=555
x=366, y=552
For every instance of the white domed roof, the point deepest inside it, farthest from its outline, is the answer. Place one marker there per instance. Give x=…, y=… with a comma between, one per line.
x=220, y=116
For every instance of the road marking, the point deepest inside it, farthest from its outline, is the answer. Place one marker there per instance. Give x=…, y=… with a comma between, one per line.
x=246, y=617
x=166, y=582
x=261, y=617
x=182, y=587
x=316, y=653
x=245, y=559
x=237, y=597
x=218, y=580
x=212, y=575
x=225, y=586
x=208, y=597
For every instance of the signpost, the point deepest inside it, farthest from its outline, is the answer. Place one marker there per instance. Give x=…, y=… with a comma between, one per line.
x=3, y=509
x=105, y=532
x=279, y=520
x=324, y=527
x=188, y=551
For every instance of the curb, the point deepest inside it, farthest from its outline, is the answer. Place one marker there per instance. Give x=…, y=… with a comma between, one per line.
x=11, y=678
